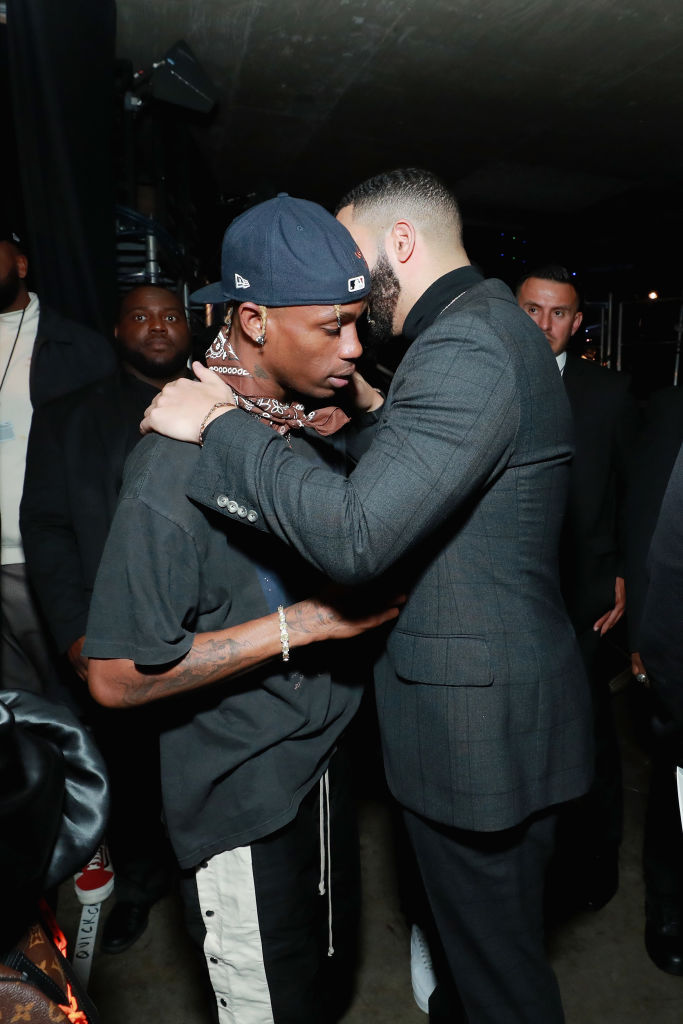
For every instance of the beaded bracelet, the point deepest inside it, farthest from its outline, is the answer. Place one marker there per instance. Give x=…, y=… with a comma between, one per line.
x=284, y=633
x=202, y=426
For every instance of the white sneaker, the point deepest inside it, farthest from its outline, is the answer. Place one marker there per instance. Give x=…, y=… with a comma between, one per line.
x=96, y=881
x=421, y=970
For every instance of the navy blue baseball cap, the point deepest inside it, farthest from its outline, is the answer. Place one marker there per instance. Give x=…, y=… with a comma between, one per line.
x=288, y=252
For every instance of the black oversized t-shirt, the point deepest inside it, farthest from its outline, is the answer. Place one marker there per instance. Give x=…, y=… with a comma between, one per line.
x=238, y=756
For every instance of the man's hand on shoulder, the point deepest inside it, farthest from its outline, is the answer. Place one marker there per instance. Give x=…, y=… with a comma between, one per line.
x=184, y=408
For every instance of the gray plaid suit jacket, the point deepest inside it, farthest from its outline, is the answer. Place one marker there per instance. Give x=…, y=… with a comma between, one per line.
x=483, y=705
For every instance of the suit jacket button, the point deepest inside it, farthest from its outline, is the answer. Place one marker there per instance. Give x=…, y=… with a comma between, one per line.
x=232, y=507
x=241, y=511
x=252, y=516
x=222, y=501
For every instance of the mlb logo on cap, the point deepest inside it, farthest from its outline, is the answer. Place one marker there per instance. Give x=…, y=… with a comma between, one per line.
x=357, y=284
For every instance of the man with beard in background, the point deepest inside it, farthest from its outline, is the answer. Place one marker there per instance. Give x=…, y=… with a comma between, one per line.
x=42, y=356
x=76, y=453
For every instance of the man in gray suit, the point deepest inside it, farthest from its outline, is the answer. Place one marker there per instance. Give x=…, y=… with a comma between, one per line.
x=483, y=704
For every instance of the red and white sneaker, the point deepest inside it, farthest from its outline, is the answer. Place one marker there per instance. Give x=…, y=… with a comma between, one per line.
x=96, y=881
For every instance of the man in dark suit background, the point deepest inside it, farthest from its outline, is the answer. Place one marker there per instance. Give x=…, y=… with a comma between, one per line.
x=76, y=451
x=482, y=703
x=661, y=700
x=585, y=872
x=660, y=625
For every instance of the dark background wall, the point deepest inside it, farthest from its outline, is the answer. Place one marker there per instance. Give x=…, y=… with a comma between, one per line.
x=557, y=125
x=60, y=59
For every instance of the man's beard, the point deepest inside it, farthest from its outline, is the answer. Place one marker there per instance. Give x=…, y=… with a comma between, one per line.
x=154, y=368
x=9, y=289
x=384, y=296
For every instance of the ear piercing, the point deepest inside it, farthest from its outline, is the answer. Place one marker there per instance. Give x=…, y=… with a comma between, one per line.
x=261, y=339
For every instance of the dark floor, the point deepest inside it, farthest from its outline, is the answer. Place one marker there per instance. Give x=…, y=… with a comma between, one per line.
x=604, y=973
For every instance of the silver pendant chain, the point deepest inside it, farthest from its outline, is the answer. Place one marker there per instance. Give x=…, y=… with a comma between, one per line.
x=14, y=345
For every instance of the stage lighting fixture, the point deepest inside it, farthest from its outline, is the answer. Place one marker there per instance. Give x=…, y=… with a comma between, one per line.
x=178, y=78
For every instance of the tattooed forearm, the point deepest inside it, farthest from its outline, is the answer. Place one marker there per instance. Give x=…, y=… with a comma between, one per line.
x=207, y=662
x=119, y=682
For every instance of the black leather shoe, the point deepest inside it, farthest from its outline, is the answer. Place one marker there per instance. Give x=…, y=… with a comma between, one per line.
x=124, y=926
x=664, y=945
x=580, y=882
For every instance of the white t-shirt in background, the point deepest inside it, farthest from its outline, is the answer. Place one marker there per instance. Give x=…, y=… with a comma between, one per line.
x=15, y=419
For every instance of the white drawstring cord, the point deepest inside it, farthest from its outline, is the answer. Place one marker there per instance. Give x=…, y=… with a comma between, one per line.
x=326, y=854
x=321, y=790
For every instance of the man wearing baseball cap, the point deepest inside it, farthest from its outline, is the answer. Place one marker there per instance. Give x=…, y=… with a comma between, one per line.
x=256, y=796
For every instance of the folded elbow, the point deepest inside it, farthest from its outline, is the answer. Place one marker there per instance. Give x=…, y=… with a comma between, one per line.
x=102, y=688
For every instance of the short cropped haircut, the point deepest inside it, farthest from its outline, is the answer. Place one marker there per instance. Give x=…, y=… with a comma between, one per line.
x=553, y=272
x=406, y=192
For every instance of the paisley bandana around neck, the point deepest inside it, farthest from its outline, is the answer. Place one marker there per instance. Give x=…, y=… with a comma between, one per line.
x=283, y=417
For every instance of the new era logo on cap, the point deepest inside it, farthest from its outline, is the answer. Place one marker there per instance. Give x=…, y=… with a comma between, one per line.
x=356, y=284
x=241, y=282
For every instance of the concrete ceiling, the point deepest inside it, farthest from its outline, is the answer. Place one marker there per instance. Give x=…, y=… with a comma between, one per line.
x=561, y=114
